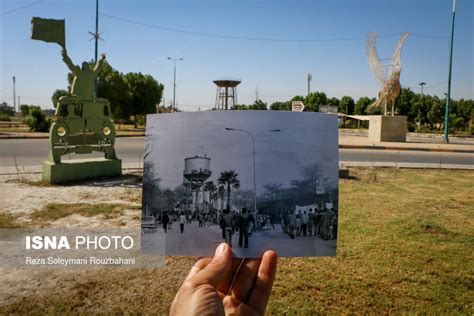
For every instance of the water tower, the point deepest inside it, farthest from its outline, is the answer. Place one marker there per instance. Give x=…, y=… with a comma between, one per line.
x=226, y=93
x=196, y=171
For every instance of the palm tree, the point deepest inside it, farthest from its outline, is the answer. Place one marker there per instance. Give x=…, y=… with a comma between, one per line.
x=229, y=178
x=210, y=187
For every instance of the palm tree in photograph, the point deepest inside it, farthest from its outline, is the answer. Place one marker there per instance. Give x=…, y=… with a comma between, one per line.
x=211, y=188
x=229, y=179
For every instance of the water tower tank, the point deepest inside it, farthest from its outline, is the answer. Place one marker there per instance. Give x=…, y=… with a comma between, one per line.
x=197, y=169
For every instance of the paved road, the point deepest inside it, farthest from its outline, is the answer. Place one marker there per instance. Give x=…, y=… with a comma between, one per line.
x=196, y=241
x=32, y=152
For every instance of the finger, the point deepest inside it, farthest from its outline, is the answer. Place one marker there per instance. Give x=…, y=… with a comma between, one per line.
x=217, y=270
x=198, y=266
x=225, y=286
x=245, y=279
x=263, y=284
x=233, y=306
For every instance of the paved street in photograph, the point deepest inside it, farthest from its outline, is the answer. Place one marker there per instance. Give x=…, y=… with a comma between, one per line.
x=202, y=241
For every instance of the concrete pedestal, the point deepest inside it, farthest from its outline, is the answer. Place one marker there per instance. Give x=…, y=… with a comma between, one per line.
x=384, y=128
x=80, y=169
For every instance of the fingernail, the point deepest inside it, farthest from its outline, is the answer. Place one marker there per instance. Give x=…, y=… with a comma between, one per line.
x=221, y=249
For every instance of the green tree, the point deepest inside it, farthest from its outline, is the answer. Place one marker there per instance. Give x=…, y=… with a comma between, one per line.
x=6, y=109
x=435, y=113
x=314, y=100
x=58, y=93
x=146, y=93
x=346, y=105
x=281, y=106
x=465, y=109
x=113, y=87
x=258, y=105
x=405, y=104
x=38, y=122
x=24, y=109
x=229, y=179
x=361, y=105
x=333, y=101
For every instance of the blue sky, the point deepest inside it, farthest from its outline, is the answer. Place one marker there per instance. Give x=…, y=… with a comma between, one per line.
x=277, y=69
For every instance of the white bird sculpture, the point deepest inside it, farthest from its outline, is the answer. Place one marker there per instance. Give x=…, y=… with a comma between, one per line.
x=391, y=87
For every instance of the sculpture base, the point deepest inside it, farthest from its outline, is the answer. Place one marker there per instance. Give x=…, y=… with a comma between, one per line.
x=385, y=128
x=80, y=169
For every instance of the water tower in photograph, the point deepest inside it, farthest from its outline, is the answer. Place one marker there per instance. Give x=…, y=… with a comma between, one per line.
x=196, y=171
x=226, y=93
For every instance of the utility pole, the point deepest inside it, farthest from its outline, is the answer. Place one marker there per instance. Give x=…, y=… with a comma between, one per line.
x=174, y=80
x=14, y=97
x=448, y=97
x=96, y=37
x=310, y=77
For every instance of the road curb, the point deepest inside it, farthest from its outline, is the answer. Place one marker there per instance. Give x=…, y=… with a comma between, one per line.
x=376, y=147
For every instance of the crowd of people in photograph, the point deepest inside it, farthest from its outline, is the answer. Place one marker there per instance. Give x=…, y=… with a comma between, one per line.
x=317, y=222
x=320, y=223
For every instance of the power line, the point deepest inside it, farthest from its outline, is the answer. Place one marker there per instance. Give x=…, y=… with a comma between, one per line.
x=263, y=39
x=430, y=86
x=428, y=36
x=21, y=8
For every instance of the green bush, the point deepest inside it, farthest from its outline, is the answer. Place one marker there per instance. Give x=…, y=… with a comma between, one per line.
x=4, y=117
x=38, y=122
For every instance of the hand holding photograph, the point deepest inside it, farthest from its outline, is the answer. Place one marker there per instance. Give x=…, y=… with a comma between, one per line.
x=257, y=180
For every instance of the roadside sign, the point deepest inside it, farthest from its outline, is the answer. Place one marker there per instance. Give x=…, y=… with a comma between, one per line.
x=297, y=106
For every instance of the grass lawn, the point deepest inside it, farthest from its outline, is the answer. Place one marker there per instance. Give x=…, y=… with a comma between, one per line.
x=406, y=242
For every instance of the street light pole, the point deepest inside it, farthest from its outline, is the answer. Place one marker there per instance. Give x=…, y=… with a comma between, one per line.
x=174, y=80
x=310, y=77
x=448, y=98
x=254, y=168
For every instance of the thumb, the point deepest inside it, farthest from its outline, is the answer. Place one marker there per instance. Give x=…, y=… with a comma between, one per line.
x=217, y=270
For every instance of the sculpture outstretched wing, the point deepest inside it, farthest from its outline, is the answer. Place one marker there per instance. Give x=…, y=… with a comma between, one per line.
x=397, y=50
x=373, y=58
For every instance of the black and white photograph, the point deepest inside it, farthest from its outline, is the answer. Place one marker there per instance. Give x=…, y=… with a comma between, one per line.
x=256, y=180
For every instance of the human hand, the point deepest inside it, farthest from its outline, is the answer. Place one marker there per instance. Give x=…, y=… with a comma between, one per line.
x=222, y=285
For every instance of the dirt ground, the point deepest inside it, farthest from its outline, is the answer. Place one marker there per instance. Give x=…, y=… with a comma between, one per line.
x=22, y=195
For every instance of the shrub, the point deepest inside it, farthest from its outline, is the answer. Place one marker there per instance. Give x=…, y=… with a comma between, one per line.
x=38, y=122
x=4, y=117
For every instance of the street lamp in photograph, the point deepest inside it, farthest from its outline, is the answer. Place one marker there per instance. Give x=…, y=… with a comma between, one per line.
x=253, y=153
x=174, y=80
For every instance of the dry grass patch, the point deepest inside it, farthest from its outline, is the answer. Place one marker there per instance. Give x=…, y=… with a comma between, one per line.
x=38, y=183
x=8, y=221
x=55, y=211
